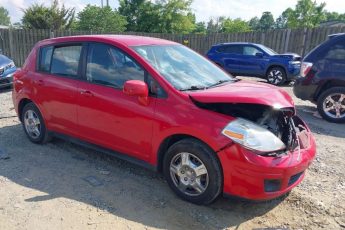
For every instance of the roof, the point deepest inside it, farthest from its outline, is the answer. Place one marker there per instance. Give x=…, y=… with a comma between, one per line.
x=237, y=43
x=336, y=35
x=127, y=40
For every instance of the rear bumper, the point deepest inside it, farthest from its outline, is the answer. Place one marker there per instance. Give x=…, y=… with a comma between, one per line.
x=303, y=90
x=250, y=176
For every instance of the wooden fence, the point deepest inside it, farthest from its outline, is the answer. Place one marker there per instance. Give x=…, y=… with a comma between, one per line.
x=17, y=43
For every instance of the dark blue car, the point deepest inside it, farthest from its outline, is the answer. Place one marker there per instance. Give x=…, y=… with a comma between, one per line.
x=7, y=68
x=250, y=59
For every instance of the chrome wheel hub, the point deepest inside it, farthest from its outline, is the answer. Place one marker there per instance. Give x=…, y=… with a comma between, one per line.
x=334, y=105
x=189, y=174
x=32, y=124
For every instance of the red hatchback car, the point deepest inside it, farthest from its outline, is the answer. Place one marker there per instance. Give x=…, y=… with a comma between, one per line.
x=159, y=104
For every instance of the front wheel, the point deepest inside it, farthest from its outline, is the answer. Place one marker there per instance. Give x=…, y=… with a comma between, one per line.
x=276, y=76
x=331, y=105
x=193, y=172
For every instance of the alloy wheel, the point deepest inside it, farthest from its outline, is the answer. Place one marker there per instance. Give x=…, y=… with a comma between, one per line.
x=275, y=77
x=334, y=105
x=189, y=174
x=32, y=124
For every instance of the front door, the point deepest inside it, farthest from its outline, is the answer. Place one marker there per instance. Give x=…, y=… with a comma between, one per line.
x=250, y=63
x=106, y=116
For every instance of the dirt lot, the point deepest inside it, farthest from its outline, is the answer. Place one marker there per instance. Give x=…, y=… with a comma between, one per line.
x=48, y=187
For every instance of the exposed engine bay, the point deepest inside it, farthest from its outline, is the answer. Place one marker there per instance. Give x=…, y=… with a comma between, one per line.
x=281, y=122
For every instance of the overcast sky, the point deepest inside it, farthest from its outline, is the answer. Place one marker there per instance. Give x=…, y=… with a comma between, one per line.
x=204, y=9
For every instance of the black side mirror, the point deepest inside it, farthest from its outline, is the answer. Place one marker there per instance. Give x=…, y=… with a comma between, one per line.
x=259, y=54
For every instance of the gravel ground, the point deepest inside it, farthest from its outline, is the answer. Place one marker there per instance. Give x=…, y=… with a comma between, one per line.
x=63, y=186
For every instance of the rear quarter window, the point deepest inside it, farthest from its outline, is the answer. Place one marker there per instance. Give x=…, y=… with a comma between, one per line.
x=336, y=52
x=45, y=59
x=332, y=57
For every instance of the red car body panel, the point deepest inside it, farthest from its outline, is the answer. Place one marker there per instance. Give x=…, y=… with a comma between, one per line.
x=246, y=92
x=245, y=171
x=91, y=113
x=115, y=130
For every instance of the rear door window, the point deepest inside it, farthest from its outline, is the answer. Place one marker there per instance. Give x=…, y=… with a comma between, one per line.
x=230, y=49
x=65, y=60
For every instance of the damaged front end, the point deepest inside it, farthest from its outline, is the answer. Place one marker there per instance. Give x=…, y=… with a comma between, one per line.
x=266, y=130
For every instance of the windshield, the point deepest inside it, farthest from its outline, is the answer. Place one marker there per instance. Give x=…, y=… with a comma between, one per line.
x=182, y=67
x=268, y=50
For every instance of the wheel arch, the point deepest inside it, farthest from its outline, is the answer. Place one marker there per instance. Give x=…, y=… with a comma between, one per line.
x=21, y=106
x=327, y=85
x=172, y=139
x=272, y=65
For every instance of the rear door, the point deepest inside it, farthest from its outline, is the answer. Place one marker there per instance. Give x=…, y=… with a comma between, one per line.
x=106, y=116
x=331, y=61
x=55, y=85
x=231, y=56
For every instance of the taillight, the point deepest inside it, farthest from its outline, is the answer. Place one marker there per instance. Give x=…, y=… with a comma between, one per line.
x=305, y=68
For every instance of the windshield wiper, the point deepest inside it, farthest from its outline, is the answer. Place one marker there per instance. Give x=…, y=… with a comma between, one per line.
x=194, y=87
x=220, y=82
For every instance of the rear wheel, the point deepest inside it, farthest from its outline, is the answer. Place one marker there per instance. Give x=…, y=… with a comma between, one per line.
x=193, y=171
x=331, y=105
x=276, y=76
x=33, y=124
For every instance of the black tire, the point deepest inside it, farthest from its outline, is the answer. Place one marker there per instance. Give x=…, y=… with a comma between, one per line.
x=276, y=75
x=328, y=115
x=209, y=160
x=43, y=136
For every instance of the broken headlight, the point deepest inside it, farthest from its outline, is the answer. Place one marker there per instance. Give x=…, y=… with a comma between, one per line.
x=252, y=136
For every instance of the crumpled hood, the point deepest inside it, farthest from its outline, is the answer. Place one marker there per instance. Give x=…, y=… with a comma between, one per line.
x=245, y=92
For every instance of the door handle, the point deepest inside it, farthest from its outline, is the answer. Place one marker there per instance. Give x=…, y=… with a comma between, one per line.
x=86, y=93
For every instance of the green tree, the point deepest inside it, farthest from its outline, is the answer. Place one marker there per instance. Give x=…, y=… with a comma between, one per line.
x=282, y=20
x=17, y=25
x=200, y=28
x=266, y=21
x=306, y=14
x=141, y=15
x=254, y=23
x=176, y=16
x=235, y=25
x=4, y=18
x=101, y=19
x=162, y=16
x=334, y=16
x=38, y=16
x=215, y=25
